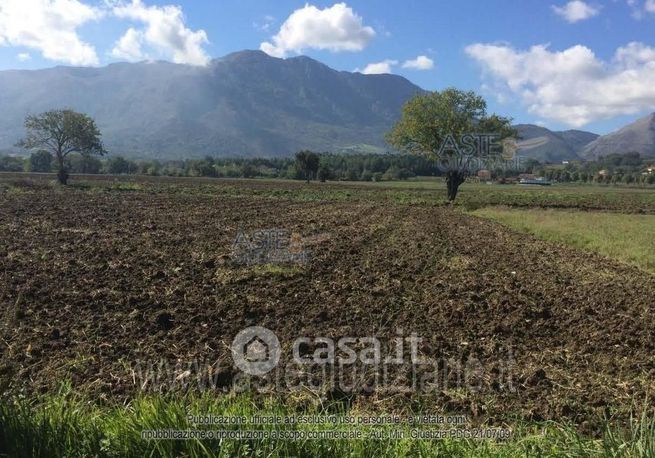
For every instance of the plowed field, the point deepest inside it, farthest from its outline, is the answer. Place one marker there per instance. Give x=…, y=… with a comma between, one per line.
x=96, y=285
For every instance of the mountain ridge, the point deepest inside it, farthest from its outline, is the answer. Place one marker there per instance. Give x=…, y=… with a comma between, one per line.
x=245, y=103
x=638, y=136
x=545, y=145
x=249, y=104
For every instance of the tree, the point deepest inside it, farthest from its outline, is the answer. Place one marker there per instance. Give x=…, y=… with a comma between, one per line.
x=118, y=166
x=201, y=168
x=78, y=163
x=11, y=164
x=404, y=174
x=152, y=168
x=366, y=175
x=531, y=165
x=61, y=132
x=391, y=173
x=352, y=175
x=307, y=162
x=248, y=171
x=324, y=173
x=39, y=161
x=443, y=126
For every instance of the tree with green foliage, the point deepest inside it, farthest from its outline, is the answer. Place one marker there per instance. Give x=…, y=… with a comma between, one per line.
x=119, y=165
x=307, y=162
x=11, y=164
x=39, y=161
x=248, y=170
x=62, y=132
x=201, y=168
x=351, y=175
x=397, y=173
x=324, y=173
x=366, y=175
x=151, y=168
x=431, y=121
x=79, y=163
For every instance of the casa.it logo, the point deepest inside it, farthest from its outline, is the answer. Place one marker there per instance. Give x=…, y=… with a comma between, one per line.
x=256, y=350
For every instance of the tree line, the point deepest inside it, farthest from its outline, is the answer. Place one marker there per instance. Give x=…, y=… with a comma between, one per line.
x=331, y=166
x=631, y=168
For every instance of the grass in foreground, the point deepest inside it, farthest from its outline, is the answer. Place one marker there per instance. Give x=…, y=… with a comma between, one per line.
x=66, y=425
x=626, y=237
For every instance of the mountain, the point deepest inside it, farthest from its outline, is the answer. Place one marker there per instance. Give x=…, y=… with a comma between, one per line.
x=577, y=139
x=544, y=145
x=638, y=136
x=245, y=104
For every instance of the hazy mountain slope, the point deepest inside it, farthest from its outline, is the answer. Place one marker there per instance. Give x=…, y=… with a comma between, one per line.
x=577, y=139
x=638, y=136
x=246, y=103
x=547, y=146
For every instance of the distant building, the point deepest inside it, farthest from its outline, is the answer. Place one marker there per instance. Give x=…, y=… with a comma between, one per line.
x=527, y=176
x=603, y=173
x=535, y=181
x=484, y=175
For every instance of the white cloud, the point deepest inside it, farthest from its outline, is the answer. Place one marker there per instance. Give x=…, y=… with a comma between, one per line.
x=336, y=28
x=572, y=86
x=635, y=7
x=165, y=31
x=378, y=68
x=24, y=56
x=420, y=63
x=49, y=26
x=386, y=66
x=634, y=55
x=576, y=10
x=265, y=24
x=128, y=47
x=638, y=8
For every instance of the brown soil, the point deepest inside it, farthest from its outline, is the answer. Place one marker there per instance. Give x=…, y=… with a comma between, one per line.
x=94, y=284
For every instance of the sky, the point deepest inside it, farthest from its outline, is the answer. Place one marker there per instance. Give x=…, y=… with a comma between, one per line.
x=562, y=64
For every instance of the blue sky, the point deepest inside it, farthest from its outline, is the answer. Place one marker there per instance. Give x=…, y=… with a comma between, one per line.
x=578, y=64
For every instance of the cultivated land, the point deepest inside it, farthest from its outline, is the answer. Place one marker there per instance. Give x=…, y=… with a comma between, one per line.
x=104, y=278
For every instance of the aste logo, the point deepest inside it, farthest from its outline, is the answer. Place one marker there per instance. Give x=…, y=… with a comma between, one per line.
x=269, y=246
x=479, y=145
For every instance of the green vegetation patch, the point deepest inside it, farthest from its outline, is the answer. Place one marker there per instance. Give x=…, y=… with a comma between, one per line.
x=67, y=425
x=626, y=237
